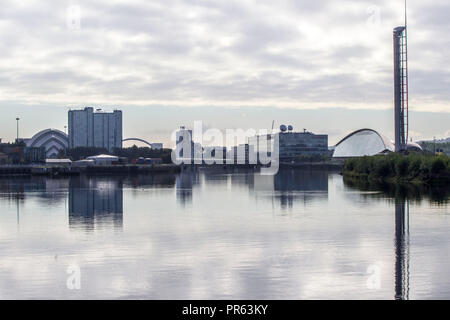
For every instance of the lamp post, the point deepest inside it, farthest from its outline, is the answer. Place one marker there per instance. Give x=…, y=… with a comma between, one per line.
x=434, y=139
x=17, y=119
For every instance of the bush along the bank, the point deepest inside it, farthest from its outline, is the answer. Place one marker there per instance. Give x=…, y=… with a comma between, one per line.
x=399, y=168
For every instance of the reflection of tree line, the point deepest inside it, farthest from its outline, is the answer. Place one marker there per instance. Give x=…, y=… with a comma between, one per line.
x=436, y=193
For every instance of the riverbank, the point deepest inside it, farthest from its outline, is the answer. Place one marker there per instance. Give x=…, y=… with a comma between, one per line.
x=398, y=168
x=329, y=165
x=65, y=170
x=333, y=164
x=61, y=170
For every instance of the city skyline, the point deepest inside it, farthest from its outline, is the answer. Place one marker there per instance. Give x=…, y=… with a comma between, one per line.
x=156, y=124
x=184, y=55
x=227, y=155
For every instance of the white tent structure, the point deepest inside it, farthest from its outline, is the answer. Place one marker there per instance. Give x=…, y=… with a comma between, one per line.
x=103, y=159
x=364, y=142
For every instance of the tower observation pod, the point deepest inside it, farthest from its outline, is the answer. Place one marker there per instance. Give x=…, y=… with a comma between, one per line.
x=401, y=87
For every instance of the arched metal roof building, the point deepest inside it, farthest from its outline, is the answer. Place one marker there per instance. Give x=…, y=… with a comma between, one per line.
x=53, y=140
x=364, y=142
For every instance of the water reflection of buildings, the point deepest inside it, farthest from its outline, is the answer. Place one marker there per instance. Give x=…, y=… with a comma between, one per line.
x=41, y=188
x=290, y=185
x=287, y=186
x=184, y=183
x=150, y=181
x=46, y=191
x=95, y=202
x=402, y=250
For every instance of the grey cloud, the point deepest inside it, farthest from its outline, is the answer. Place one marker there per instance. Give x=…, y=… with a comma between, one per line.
x=172, y=51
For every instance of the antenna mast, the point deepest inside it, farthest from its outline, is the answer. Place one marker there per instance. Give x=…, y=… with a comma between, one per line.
x=406, y=84
x=401, y=86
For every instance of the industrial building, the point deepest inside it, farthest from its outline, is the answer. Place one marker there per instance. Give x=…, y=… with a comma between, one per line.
x=95, y=129
x=19, y=153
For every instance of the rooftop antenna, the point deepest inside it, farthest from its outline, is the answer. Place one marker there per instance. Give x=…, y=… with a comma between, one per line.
x=406, y=16
x=407, y=76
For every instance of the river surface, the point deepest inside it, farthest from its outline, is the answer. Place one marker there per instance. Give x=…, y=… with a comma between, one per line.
x=214, y=234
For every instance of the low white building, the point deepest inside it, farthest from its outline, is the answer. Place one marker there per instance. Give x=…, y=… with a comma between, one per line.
x=58, y=162
x=157, y=146
x=104, y=159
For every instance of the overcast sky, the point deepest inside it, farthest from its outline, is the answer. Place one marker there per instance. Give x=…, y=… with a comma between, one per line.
x=293, y=54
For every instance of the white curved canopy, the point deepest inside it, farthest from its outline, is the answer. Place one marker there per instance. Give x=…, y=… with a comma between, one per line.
x=364, y=142
x=53, y=140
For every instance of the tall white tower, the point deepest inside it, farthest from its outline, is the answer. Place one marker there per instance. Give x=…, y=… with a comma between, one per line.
x=401, y=86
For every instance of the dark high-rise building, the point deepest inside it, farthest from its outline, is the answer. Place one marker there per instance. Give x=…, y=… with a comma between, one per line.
x=95, y=129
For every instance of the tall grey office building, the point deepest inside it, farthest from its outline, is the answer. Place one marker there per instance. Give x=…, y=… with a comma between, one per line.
x=95, y=129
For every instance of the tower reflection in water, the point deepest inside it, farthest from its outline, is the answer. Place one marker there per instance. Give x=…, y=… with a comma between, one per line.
x=402, y=249
x=95, y=202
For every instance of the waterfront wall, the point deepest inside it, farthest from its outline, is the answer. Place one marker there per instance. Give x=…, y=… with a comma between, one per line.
x=89, y=170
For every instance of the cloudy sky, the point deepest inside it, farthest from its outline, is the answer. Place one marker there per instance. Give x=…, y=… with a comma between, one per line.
x=163, y=59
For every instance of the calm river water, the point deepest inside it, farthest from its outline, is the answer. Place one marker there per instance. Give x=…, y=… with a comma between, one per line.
x=213, y=234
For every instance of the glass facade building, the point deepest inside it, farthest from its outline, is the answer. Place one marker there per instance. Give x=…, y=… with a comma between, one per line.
x=292, y=144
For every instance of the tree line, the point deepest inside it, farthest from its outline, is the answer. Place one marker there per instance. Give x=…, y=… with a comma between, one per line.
x=397, y=167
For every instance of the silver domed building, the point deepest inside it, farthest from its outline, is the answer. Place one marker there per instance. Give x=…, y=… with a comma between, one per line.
x=364, y=142
x=367, y=142
x=51, y=139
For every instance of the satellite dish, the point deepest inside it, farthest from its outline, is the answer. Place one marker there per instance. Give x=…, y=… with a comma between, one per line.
x=283, y=128
x=290, y=128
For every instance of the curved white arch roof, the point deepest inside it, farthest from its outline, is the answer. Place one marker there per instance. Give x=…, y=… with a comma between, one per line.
x=52, y=139
x=364, y=142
